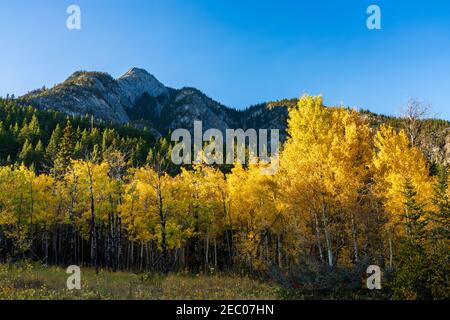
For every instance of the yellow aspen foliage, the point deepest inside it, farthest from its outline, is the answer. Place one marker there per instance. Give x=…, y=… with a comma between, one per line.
x=350, y=155
x=203, y=198
x=340, y=184
x=396, y=162
x=15, y=208
x=139, y=207
x=93, y=181
x=151, y=208
x=324, y=169
x=43, y=202
x=255, y=210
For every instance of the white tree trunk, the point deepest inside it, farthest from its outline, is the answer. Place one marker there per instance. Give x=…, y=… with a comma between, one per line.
x=327, y=234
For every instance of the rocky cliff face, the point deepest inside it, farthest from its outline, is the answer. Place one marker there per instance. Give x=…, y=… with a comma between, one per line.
x=138, y=97
x=98, y=94
x=137, y=82
x=83, y=93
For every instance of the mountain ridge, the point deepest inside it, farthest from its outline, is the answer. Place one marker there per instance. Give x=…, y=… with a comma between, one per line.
x=140, y=98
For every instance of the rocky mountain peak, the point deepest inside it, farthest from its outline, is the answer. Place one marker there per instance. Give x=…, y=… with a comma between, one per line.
x=137, y=97
x=135, y=82
x=135, y=71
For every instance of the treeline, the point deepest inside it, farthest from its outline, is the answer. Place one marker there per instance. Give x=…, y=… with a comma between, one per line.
x=345, y=196
x=32, y=137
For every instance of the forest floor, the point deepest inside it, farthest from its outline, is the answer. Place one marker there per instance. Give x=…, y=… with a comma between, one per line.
x=33, y=281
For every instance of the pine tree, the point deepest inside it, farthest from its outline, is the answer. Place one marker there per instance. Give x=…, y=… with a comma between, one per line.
x=26, y=155
x=410, y=279
x=38, y=156
x=441, y=199
x=65, y=153
x=34, y=128
x=53, y=145
x=414, y=215
x=31, y=130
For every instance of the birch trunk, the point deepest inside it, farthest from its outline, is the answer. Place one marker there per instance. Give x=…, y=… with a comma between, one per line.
x=391, y=253
x=207, y=253
x=327, y=234
x=355, y=239
x=318, y=237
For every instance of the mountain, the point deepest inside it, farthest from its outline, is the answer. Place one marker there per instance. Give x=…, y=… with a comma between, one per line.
x=137, y=97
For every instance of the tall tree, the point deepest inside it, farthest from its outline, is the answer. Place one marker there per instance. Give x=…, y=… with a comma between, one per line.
x=65, y=153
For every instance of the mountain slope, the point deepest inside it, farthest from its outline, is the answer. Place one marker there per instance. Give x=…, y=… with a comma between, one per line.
x=139, y=98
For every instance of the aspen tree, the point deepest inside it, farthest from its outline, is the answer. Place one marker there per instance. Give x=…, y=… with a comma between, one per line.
x=396, y=163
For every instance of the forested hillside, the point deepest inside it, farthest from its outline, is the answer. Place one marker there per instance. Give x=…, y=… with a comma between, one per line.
x=36, y=137
x=348, y=194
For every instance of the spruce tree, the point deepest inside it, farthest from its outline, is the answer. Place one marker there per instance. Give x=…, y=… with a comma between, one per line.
x=38, y=157
x=414, y=214
x=26, y=154
x=441, y=200
x=65, y=153
x=410, y=278
x=53, y=145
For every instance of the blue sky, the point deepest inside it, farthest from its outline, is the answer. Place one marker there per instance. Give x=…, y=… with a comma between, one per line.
x=239, y=52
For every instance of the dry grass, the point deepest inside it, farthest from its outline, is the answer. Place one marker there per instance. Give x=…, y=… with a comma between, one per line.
x=32, y=281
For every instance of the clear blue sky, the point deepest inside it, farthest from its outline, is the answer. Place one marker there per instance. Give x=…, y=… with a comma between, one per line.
x=239, y=52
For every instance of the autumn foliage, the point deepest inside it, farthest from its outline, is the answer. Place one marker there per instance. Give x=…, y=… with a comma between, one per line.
x=345, y=195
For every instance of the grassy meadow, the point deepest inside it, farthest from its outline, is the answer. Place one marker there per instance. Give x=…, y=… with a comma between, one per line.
x=39, y=282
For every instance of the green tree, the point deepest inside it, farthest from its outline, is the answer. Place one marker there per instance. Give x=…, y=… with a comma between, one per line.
x=414, y=215
x=26, y=155
x=422, y=265
x=441, y=200
x=65, y=153
x=53, y=145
